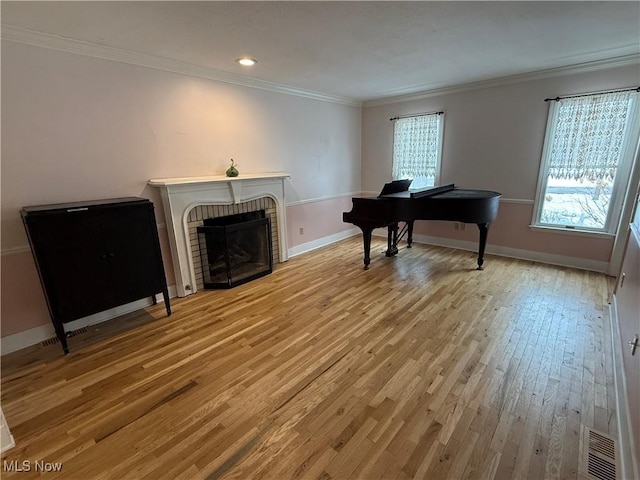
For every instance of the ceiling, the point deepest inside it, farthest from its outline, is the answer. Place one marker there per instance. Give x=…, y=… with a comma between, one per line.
x=356, y=50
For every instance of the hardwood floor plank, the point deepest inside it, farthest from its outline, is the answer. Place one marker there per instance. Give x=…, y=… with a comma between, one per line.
x=420, y=367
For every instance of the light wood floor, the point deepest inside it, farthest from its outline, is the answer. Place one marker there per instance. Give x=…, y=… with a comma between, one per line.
x=420, y=367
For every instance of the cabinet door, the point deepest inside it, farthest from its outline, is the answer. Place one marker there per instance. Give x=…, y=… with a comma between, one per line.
x=73, y=263
x=130, y=236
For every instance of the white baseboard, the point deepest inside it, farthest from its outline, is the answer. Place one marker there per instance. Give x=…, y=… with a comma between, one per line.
x=322, y=242
x=530, y=255
x=41, y=333
x=626, y=444
x=26, y=338
x=542, y=257
x=552, y=259
x=20, y=340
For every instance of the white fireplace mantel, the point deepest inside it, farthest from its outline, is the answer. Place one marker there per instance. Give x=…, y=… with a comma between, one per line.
x=180, y=195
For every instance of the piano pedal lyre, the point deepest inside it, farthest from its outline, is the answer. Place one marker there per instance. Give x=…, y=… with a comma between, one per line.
x=403, y=231
x=395, y=237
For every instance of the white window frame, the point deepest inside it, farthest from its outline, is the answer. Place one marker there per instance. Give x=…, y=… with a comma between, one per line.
x=619, y=187
x=438, y=166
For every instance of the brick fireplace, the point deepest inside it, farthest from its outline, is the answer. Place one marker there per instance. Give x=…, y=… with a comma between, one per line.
x=187, y=201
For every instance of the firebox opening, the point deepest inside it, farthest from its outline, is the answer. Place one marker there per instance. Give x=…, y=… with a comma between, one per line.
x=235, y=249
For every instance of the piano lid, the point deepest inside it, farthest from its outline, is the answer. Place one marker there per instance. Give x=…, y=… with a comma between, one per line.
x=429, y=191
x=419, y=193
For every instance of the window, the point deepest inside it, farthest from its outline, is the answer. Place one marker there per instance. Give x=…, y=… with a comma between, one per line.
x=417, y=148
x=586, y=160
x=635, y=221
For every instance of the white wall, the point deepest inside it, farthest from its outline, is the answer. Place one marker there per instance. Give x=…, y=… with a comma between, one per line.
x=76, y=128
x=493, y=140
x=493, y=136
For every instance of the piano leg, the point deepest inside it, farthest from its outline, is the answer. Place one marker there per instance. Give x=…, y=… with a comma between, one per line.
x=484, y=229
x=366, y=240
x=409, y=233
x=392, y=240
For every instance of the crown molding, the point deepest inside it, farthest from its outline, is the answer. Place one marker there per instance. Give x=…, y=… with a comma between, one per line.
x=622, y=61
x=55, y=42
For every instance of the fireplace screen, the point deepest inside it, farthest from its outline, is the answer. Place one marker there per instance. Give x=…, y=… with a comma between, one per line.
x=235, y=249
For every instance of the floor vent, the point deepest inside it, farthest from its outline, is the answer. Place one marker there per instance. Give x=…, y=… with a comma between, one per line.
x=600, y=460
x=73, y=333
x=50, y=341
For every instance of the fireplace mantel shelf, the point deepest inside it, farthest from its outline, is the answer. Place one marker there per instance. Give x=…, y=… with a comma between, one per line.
x=165, y=182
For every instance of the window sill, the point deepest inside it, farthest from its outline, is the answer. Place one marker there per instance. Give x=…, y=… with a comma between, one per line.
x=571, y=231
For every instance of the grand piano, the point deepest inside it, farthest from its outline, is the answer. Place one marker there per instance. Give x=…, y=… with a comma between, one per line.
x=396, y=203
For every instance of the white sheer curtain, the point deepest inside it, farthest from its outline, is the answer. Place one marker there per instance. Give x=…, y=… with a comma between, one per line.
x=588, y=136
x=416, y=147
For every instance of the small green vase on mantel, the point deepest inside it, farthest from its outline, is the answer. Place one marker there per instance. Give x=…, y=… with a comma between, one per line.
x=232, y=171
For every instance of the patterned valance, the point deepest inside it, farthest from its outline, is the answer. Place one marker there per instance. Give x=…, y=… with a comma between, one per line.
x=588, y=135
x=415, y=146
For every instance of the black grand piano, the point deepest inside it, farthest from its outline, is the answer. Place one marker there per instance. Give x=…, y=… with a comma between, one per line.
x=396, y=203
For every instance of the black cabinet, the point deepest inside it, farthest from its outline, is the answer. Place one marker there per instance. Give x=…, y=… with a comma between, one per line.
x=93, y=256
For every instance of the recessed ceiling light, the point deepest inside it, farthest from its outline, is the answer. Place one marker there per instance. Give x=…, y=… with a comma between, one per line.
x=247, y=62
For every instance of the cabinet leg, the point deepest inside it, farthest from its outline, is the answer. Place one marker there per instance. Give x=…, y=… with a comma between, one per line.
x=62, y=336
x=167, y=304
